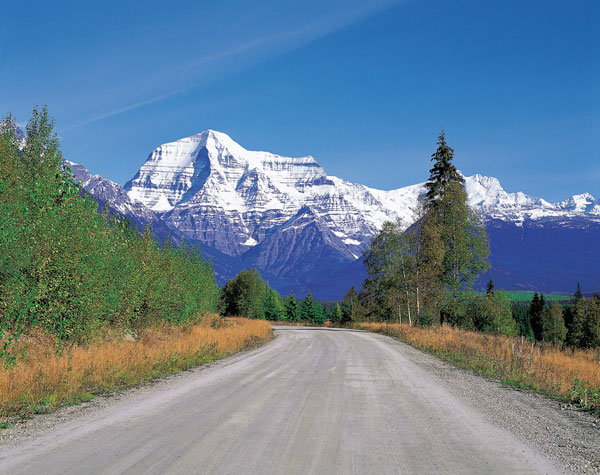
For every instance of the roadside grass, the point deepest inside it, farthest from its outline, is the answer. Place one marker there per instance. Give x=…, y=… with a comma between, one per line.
x=572, y=376
x=44, y=379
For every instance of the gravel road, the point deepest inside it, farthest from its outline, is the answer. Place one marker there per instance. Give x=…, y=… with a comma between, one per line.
x=319, y=401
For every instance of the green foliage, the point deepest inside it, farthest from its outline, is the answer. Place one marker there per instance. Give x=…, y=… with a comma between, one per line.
x=584, y=394
x=553, y=324
x=582, y=318
x=245, y=295
x=492, y=313
x=464, y=238
x=291, y=308
x=312, y=310
x=336, y=313
x=520, y=313
x=426, y=268
x=428, y=271
x=350, y=304
x=274, y=306
x=536, y=308
x=69, y=269
x=390, y=261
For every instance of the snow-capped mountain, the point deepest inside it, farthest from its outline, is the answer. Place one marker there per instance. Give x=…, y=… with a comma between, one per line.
x=306, y=230
x=212, y=189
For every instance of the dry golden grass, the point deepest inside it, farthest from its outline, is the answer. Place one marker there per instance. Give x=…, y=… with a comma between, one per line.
x=43, y=380
x=571, y=375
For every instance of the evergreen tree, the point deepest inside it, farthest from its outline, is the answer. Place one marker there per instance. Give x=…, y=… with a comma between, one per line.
x=576, y=320
x=273, y=307
x=576, y=330
x=312, y=310
x=306, y=306
x=578, y=295
x=535, y=315
x=591, y=326
x=349, y=305
x=336, y=313
x=443, y=172
x=490, y=287
x=520, y=312
x=291, y=308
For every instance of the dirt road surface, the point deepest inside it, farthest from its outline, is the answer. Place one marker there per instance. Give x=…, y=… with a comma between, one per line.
x=312, y=401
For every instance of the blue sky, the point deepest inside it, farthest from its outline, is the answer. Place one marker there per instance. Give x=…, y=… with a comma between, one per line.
x=364, y=87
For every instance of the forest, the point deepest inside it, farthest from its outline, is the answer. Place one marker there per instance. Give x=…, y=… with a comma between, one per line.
x=71, y=270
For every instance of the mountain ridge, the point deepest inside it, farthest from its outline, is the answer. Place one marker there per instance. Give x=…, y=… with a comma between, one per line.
x=303, y=228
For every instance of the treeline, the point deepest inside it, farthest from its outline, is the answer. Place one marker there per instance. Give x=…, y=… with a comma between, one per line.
x=575, y=323
x=68, y=269
x=424, y=275
x=247, y=295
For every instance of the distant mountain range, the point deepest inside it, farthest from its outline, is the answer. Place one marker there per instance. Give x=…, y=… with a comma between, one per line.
x=306, y=230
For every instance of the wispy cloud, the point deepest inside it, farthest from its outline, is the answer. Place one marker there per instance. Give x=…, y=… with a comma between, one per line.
x=262, y=49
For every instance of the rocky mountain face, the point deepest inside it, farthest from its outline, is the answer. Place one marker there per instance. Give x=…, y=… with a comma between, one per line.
x=304, y=229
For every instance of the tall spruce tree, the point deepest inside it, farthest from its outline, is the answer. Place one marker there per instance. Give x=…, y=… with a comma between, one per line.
x=462, y=235
x=443, y=172
x=291, y=308
x=536, y=308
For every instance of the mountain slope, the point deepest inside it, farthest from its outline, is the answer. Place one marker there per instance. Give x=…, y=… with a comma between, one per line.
x=287, y=217
x=306, y=230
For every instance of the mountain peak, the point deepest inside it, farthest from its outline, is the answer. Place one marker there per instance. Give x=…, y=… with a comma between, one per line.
x=211, y=163
x=214, y=190
x=217, y=138
x=578, y=202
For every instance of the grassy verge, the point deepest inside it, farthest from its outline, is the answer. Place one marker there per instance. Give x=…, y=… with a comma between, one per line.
x=43, y=380
x=569, y=375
